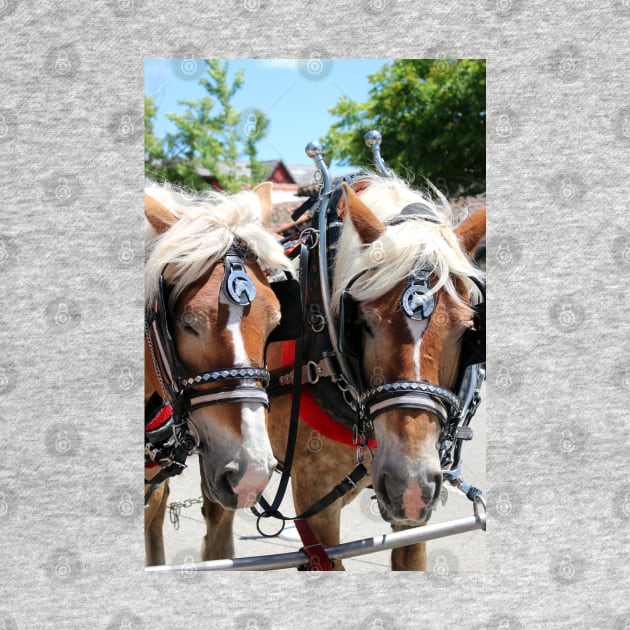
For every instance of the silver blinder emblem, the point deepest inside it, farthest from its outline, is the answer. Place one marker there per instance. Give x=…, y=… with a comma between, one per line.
x=416, y=301
x=237, y=285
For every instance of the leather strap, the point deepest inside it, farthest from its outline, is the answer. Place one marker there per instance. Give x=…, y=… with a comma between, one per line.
x=318, y=559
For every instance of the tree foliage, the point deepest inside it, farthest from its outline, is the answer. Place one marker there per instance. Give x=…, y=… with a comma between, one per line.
x=432, y=115
x=209, y=133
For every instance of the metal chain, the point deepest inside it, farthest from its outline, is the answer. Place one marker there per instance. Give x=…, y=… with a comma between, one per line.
x=175, y=508
x=156, y=367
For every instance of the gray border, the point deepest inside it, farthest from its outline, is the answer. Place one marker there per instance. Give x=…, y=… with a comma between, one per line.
x=557, y=162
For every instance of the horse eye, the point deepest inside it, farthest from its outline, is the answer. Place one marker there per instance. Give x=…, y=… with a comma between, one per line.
x=190, y=330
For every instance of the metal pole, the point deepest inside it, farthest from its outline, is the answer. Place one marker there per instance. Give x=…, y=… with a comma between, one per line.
x=373, y=140
x=337, y=552
x=315, y=151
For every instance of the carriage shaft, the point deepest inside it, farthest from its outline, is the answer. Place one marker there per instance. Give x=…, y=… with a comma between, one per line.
x=336, y=552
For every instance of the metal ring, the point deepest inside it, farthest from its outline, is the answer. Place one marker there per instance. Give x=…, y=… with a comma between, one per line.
x=269, y=515
x=308, y=231
x=312, y=372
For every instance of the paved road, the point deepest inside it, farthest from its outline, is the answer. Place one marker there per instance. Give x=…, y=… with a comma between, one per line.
x=464, y=552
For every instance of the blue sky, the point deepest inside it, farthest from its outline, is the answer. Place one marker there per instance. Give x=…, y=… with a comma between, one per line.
x=294, y=94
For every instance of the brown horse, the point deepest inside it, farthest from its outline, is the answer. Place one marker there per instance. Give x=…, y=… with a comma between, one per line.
x=209, y=255
x=378, y=250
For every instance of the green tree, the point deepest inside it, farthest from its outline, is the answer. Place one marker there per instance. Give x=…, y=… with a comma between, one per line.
x=153, y=151
x=209, y=133
x=432, y=115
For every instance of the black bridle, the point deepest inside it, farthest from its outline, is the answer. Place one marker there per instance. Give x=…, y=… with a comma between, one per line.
x=180, y=389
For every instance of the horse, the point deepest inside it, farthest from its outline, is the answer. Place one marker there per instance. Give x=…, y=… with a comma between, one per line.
x=403, y=297
x=209, y=309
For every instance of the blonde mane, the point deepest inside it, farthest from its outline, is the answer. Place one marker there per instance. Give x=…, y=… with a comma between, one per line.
x=411, y=244
x=208, y=225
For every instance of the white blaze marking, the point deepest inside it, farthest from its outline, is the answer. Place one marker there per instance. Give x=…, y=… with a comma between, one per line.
x=235, y=313
x=255, y=440
x=417, y=329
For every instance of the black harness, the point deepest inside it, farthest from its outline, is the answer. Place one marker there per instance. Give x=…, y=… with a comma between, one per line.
x=170, y=444
x=336, y=378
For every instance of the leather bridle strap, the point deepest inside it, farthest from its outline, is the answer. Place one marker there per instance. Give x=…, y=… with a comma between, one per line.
x=237, y=394
x=414, y=395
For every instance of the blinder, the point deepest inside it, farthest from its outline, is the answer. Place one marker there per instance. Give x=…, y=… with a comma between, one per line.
x=474, y=341
x=237, y=286
x=288, y=293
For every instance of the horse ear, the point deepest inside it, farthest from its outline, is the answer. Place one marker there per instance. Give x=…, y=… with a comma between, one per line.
x=264, y=195
x=471, y=231
x=159, y=216
x=368, y=226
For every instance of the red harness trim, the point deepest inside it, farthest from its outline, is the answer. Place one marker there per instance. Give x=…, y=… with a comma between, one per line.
x=163, y=415
x=311, y=412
